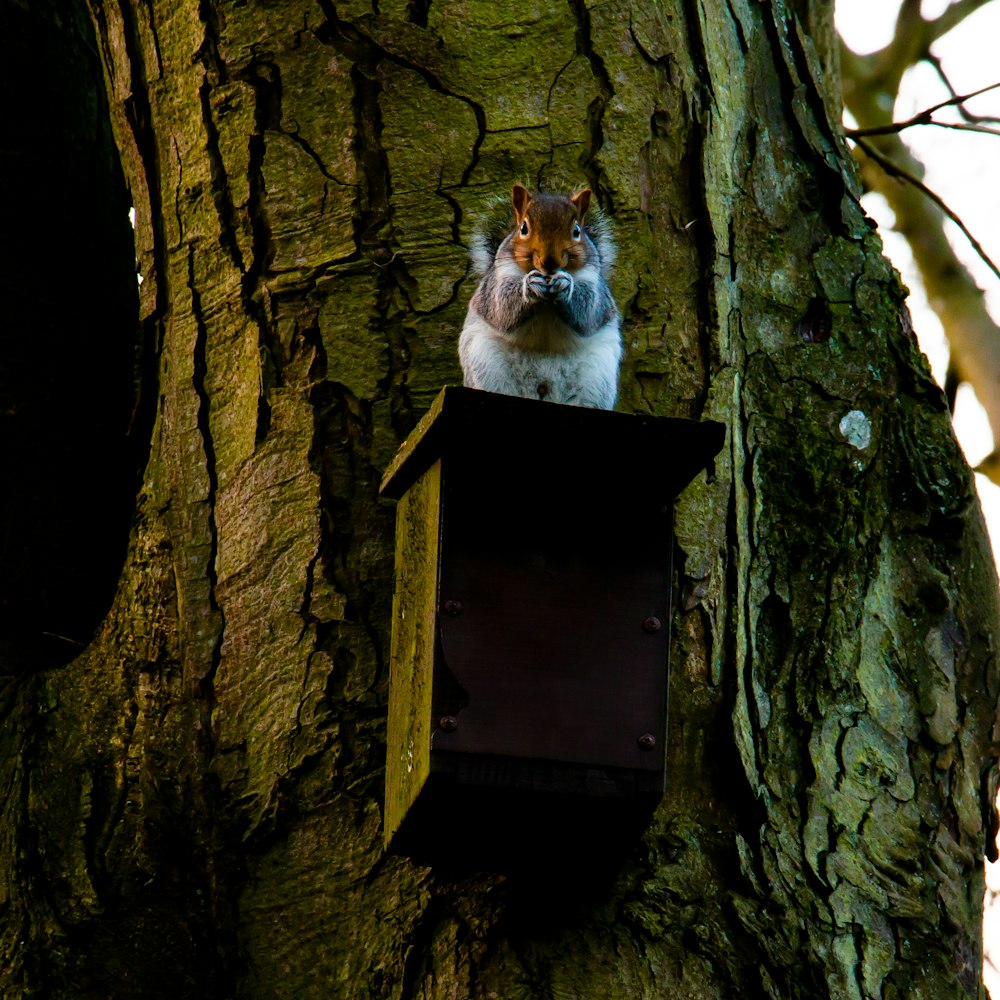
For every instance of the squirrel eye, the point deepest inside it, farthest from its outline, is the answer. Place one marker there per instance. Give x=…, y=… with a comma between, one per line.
x=576, y=230
x=524, y=228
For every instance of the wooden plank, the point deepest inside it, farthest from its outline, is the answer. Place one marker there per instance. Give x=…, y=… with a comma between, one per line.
x=417, y=450
x=414, y=612
x=664, y=453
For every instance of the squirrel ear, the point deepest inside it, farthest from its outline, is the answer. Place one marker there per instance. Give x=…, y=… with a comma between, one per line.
x=520, y=197
x=582, y=201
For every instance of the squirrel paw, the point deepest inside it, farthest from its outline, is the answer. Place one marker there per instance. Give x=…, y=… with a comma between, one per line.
x=561, y=286
x=534, y=284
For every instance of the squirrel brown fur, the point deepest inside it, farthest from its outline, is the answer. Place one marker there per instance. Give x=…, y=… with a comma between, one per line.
x=543, y=322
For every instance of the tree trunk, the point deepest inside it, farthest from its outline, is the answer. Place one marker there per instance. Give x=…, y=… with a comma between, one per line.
x=192, y=806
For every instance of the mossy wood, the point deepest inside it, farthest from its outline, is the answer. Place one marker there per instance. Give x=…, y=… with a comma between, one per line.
x=414, y=616
x=531, y=624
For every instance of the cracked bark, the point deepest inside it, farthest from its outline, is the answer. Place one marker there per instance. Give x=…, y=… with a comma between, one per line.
x=192, y=806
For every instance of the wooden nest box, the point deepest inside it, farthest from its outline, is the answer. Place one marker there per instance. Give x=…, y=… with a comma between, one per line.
x=531, y=624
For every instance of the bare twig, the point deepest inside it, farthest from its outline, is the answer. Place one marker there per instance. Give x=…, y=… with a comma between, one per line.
x=925, y=117
x=961, y=98
x=975, y=119
x=978, y=119
x=894, y=170
x=860, y=133
x=933, y=61
x=65, y=638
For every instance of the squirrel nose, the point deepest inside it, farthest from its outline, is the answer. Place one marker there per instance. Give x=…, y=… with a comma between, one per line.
x=549, y=265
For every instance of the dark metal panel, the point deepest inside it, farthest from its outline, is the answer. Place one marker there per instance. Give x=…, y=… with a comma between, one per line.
x=553, y=617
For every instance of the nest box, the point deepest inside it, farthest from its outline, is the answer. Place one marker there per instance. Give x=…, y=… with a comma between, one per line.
x=531, y=622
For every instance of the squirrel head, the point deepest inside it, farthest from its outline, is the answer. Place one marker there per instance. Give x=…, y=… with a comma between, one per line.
x=549, y=230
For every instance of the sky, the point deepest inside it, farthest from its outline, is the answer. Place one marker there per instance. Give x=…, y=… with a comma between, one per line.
x=964, y=169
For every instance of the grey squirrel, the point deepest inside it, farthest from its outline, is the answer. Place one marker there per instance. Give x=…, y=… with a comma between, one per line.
x=542, y=322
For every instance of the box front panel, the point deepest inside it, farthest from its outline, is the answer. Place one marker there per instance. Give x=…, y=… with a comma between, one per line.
x=554, y=618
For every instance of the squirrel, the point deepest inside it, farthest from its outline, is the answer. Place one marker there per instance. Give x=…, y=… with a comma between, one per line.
x=542, y=322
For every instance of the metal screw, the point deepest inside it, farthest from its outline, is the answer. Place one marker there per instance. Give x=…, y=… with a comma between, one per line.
x=647, y=741
x=448, y=723
x=453, y=607
x=651, y=624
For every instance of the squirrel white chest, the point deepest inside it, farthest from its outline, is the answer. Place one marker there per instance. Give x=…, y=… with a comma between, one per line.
x=543, y=332
x=542, y=358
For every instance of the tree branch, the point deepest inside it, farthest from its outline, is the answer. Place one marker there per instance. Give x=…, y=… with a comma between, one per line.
x=907, y=45
x=934, y=62
x=860, y=133
x=925, y=117
x=894, y=170
x=950, y=17
x=960, y=99
x=911, y=42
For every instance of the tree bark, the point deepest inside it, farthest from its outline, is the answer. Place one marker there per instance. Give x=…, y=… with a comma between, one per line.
x=192, y=807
